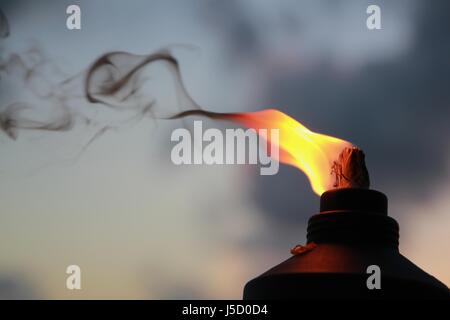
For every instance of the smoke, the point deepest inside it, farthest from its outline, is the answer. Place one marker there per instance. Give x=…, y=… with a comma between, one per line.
x=44, y=82
x=117, y=89
x=34, y=73
x=115, y=83
x=115, y=80
x=110, y=94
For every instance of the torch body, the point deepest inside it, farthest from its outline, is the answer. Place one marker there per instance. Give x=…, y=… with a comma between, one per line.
x=351, y=233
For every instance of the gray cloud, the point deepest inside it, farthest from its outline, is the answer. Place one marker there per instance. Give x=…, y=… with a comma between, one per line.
x=15, y=286
x=396, y=108
x=4, y=25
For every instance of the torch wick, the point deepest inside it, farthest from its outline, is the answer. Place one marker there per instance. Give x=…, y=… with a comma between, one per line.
x=350, y=169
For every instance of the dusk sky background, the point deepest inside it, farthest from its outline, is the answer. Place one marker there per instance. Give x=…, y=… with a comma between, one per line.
x=141, y=227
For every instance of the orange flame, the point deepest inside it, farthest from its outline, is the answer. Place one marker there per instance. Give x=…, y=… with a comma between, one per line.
x=311, y=152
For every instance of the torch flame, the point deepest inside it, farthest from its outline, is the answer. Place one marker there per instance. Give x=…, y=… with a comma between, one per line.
x=311, y=152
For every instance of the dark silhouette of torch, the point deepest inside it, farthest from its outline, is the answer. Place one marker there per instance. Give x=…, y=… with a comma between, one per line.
x=351, y=251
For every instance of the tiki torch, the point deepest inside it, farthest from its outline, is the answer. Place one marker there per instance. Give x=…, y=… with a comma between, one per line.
x=350, y=236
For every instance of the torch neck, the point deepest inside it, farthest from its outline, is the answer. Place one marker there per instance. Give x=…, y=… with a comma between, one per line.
x=354, y=228
x=353, y=216
x=354, y=199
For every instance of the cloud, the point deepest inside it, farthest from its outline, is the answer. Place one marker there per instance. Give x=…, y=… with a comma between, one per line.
x=15, y=286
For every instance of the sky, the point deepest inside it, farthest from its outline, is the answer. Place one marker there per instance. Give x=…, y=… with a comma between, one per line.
x=141, y=227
